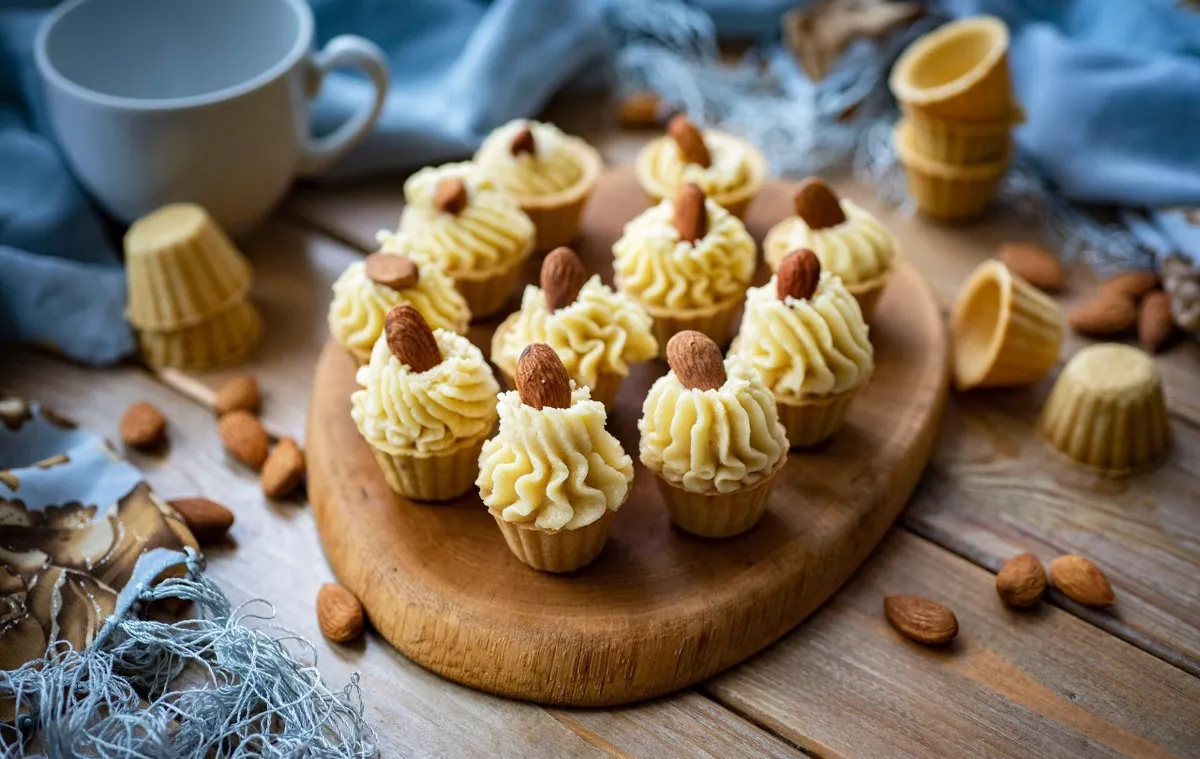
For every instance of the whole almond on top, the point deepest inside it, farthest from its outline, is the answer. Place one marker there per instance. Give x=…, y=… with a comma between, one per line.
x=798, y=276
x=1134, y=283
x=696, y=360
x=1154, y=320
x=393, y=270
x=1022, y=581
x=143, y=425
x=238, y=394
x=339, y=613
x=920, y=619
x=1034, y=264
x=542, y=380
x=450, y=196
x=283, y=469
x=207, y=520
x=689, y=140
x=1081, y=581
x=817, y=204
x=562, y=277
x=523, y=142
x=1104, y=315
x=244, y=437
x=691, y=217
x=410, y=339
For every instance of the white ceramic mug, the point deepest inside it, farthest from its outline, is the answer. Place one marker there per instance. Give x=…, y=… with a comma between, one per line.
x=207, y=101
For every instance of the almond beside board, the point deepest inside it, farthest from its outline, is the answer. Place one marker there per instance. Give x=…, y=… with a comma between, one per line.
x=920, y=619
x=339, y=613
x=1034, y=264
x=1081, y=581
x=143, y=425
x=244, y=437
x=207, y=520
x=1022, y=581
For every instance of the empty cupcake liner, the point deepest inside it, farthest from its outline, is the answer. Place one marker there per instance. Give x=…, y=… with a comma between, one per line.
x=962, y=142
x=440, y=477
x=223, y=339
x=943, y=190
x=556, y=550
x=812, y=421
x=557, y=217
x=717, y=515
x=957, y=71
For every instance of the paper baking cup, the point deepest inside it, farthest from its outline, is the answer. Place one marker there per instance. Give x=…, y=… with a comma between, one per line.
x=957, y=71
x=488, y=292
x=181, y=269
x=556, y=550
x=943, y=190
x=715, y=321
x=809, y=422
x=604, y=389
x=557, y=216
x=224, y=339
x=1006, y=332
x=717, y=515
x=962, y=142
x=1107, y=411
x=735, y=201
x=440, y=477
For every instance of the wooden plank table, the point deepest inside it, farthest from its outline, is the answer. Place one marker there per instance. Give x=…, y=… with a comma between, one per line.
x=1057, y=681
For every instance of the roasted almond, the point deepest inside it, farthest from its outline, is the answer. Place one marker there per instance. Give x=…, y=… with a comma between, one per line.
x=1154, y=320
x=1081, y=581
x=339, y=613
x=798, y=276
x=1134, y=283
x=920, y=619
x=394, y=270
x=410, y=339
x=817, y=204
x=143, y=425
x=1022, y=581
x=641, y=109
x=207, y=520
x=1106, y=314
x=689, y=140
x=244, y=437
x=1034, y=264
x=283, y=469
x=696, y=360
x=562, y=278
x=691, y=217
x=523, y=142
x=542, y=380
x=450, y=196
x=238, y=394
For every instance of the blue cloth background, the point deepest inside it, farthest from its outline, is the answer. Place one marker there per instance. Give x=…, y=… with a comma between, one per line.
x=1111, y=89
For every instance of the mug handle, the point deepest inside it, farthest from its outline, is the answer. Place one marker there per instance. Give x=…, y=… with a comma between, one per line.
x=346, y=50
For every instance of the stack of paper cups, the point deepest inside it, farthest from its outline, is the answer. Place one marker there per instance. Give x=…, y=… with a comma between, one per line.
x=955, y=140
x=188, y=291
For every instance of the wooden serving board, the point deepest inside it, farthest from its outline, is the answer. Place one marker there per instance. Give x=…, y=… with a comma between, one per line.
x=659, y=609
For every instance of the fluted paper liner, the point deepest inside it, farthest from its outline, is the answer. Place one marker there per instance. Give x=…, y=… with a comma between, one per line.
x=557, y=216
x=944, y=190
x=736, y=201
x=440, y=477
x=962, y=142
x=1107, y=411
x=556, y=550
x=718, y=515
x=223, y=339
x=181, y=269
x=957, y=71
x=714, y=321
x=812, y=421
x=1006, y=332
x=488, y=291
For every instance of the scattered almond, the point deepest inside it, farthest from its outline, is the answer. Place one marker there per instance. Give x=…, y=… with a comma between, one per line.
x=238, y=394
x=1034, y=264
x=798, y=276
x=1133, y=284
x=642, y=109
x=283, y=469
x=1104, y=315
x=143, y=425
x=339, y=613
x=1154, y=320
x=523, y=142
x=920, y=619
x=207, y=520
x=562, y=277
x=244, y=437
x=542, y=380
x=1022, y=581
x=696, y=360
x=450, y=196
x=817, y=204
x=689, y=140
x=410, y=339
x=393, y=270
x=691, y=217
x=1081, y=581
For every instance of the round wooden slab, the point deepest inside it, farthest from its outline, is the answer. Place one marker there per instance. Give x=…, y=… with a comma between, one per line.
x=659, y=609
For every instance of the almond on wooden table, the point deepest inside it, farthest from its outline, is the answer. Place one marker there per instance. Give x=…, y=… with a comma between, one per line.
x=1022, y=581
x=339, y=613
x=239, y=393
x=542, y=380
x=283, y=469
x=1133, y=284
x=696, y=360
x=1105, y=315
x=244, y=437
x=1155, y=324
x=920, y=619
x=208, y=521
x=1034, y=264
x=817, y=204
x=1081, y=581
x=143, y=425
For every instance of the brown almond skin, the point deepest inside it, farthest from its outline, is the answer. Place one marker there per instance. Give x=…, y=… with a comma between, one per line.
x=143, y=426
x=523, y=142
x=691, y=217
x=239, y=393
x=339, y=613
x=450, y=196
x=207, y=520
x=410, y=339
x=392, y=270
x=1105, y=315
x=542, y=380
x=244, y=437
x=1155, y=325
x=641, y=109
x=1034, y=264
x=562, y=278
x=1022, y=581
x=1081, y=581
x=1134, y=283
x=696, y=360
x=798, y=276
x=283, y=469
x=689, y=140
x=920, y=619
x=817, y=204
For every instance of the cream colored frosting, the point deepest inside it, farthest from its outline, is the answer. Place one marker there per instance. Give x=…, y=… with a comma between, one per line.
x=601, y=332
x=730, y=166
x=707, y=441
x=360, y=306
x=858, y=249
x=656, y=267
x=400, y=411
x=806, y=347
x=553, y=167
x=555, y=469
x=492, y=232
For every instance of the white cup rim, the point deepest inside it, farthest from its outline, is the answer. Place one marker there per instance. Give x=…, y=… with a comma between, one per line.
x=58, y=79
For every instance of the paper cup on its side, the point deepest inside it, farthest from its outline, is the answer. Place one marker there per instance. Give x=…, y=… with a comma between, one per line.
x=943, y=190
x=957, y=71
